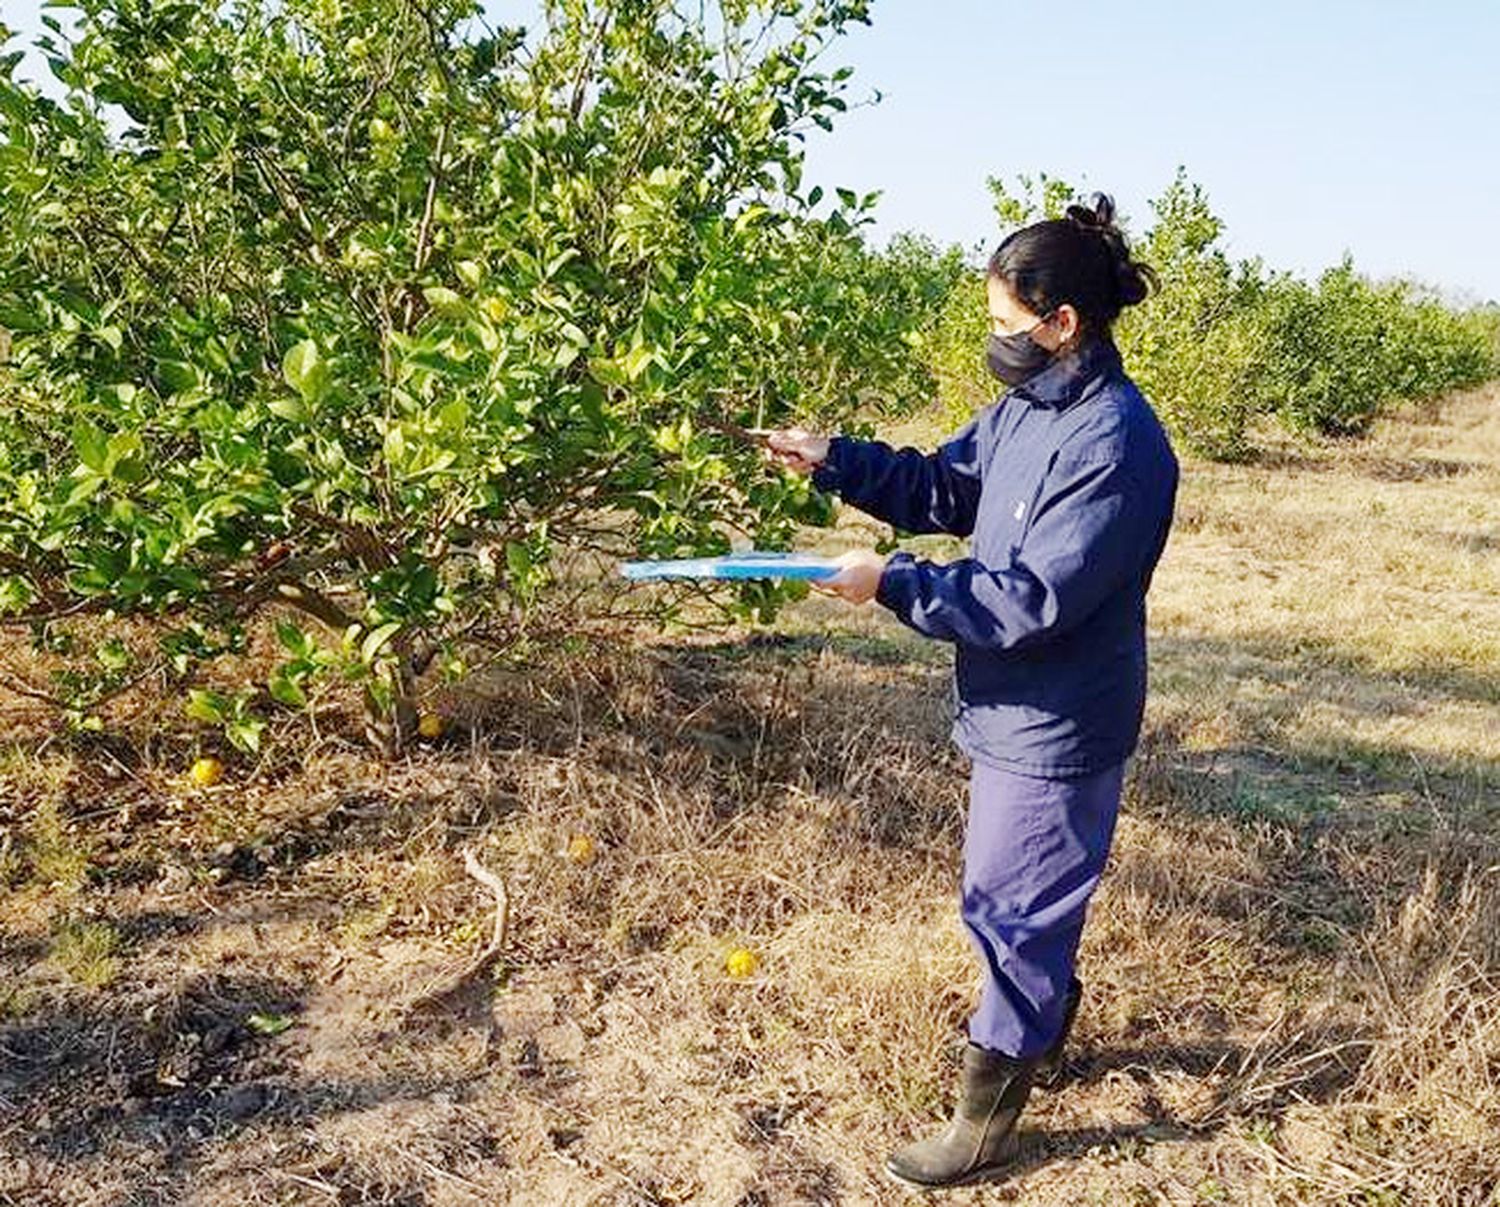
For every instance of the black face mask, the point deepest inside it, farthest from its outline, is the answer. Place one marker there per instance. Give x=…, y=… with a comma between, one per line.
x=1014, y=358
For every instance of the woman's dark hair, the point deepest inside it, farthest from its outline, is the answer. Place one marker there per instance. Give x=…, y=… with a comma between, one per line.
x=1081, y=259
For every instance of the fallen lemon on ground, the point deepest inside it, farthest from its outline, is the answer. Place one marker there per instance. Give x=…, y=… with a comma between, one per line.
x=206, y=772
x=430, y=725
x=581, y=848
x=741, y=962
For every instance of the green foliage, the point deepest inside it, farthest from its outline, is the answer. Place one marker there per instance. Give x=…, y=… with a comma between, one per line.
x=955, y=348
x=1198, y=346
x=374, y=311
x=901, y=294
x=1344, y=346
x=1038, y=198
x=232, y=714
x=1223, y=342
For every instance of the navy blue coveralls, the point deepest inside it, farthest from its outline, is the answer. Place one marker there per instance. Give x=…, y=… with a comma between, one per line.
x=1067, y=486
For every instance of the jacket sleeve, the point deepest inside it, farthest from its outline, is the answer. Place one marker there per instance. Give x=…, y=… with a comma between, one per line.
x=1090, y=535
x=914, y=491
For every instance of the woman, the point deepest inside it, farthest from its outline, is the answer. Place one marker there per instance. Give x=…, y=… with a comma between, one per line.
x=1066, y=485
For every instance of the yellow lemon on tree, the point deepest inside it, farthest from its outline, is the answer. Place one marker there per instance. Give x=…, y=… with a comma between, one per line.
x=581, y=848
x=741, y=962
x=206, y=772
x=430, y=725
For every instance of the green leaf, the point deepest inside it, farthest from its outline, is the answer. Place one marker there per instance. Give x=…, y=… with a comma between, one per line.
x=207, y=706
x=518, y=560
x=376, y=640
x=381, y=694
x=294, y=640
x=291, y=409
x=122, y=462
x=607, y=372
x=560, y=260
x=15, y=595
x=638, y=360
x=269, y=1024
x=20, y=319
x=749, y=217
x=445, y=301
x=306, y=371
x=286, y=690
x=178, y=377
x=83, y=490
x=393, y=447
x=113, y=655
x=92, y=446
x=244, y=733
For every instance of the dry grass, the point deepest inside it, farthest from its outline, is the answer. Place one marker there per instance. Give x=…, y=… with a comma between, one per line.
x=88, y=953
x=1292, y=968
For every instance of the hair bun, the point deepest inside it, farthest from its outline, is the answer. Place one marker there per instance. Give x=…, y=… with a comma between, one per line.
x=1133, y=280
x=1098, y=214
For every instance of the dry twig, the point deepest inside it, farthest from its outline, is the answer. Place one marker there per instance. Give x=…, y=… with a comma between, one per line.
x=446, y=986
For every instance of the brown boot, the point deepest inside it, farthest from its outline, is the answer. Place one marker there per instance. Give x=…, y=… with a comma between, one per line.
x=981, y=1139
x=1050, y=1064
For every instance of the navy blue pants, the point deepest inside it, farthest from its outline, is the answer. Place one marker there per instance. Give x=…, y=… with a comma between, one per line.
x=1033, y=853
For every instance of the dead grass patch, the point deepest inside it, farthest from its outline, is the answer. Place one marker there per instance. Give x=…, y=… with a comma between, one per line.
x=1292, y=966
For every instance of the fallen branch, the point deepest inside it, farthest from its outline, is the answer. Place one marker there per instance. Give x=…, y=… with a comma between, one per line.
x=502, y=903
x=447, y=986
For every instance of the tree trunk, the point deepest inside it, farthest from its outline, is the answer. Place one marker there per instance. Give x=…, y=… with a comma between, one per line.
x=390, y=730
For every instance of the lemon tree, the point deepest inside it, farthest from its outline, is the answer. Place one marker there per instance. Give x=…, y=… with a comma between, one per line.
x=374, y=312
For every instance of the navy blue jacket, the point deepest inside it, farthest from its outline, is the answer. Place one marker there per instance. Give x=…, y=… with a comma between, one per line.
x=1066, y=485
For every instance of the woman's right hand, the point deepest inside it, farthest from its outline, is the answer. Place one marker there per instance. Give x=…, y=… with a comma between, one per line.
x=798, y=450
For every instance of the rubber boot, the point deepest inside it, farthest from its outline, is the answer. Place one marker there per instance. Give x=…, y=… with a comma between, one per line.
x=981, y=1139
x=1050, y=1064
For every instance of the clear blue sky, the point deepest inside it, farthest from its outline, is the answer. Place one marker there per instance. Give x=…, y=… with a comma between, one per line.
x=1317, y=126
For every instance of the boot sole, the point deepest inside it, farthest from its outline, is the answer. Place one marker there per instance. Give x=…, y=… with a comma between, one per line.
x=984, y=1173
x=987, y=1173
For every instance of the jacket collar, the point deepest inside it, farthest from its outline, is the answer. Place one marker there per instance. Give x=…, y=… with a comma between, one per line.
x=1064, y=380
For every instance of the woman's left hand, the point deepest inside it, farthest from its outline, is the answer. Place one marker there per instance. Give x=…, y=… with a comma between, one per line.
x=858, y=577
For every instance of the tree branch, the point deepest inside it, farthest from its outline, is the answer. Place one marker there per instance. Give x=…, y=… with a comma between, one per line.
x=424, y=231
x=315, y=603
